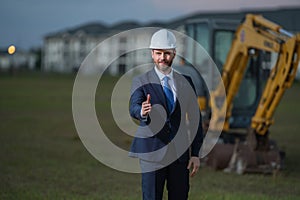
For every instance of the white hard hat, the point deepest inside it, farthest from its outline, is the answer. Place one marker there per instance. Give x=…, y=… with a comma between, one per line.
x=163, y=39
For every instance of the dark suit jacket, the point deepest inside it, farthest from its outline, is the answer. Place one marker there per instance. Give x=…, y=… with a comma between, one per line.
x=160, y=128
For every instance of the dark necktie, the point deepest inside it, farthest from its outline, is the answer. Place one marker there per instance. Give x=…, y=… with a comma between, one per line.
x=169, y=94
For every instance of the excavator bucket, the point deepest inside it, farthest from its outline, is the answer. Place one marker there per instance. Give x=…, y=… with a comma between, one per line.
x=242, y=158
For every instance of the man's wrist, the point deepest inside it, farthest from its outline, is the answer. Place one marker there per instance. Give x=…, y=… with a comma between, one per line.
x=194, y=154
x=143, y=118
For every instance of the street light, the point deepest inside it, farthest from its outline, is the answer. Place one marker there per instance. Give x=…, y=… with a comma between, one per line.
x=11, y=50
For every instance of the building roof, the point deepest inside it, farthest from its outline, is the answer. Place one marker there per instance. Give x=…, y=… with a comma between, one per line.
x=93, y=28
x=125, y=25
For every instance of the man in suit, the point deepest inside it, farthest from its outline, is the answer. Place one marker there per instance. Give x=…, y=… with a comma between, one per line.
x=164, y=101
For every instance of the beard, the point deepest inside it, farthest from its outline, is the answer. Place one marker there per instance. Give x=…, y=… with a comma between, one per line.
x=164, y=66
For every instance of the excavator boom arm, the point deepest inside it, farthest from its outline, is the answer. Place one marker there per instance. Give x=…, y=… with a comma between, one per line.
x=281, y=78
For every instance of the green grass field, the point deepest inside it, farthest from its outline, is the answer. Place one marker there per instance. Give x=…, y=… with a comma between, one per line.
x=41, y=156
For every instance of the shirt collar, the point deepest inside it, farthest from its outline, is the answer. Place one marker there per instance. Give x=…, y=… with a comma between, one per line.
x=161, y=75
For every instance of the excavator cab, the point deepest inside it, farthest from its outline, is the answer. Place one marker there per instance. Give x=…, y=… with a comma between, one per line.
x=216, y=36
x=247, y=98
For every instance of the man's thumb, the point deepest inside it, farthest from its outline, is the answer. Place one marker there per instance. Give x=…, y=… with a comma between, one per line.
x=148, y=98
x=189, y=165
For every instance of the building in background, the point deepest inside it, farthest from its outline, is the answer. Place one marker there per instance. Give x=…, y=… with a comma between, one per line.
x=66, y=50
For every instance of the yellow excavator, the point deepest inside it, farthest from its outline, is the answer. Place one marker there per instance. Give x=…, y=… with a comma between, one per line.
x=255, y=35
x=261, y=64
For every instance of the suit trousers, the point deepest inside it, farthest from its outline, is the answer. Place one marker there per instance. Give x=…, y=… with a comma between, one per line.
x=175, y=175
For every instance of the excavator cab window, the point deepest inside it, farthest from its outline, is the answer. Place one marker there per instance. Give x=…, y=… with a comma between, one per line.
x=249, y=93
x=223, y=40
x=246, y=95
x=200, y=33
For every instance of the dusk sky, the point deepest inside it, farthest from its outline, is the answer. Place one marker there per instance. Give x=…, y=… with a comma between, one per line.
x=25, y=23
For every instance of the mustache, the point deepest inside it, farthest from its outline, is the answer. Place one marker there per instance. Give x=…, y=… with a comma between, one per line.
x=163, y=61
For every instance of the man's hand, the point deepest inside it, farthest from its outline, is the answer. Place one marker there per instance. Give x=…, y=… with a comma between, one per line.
x=195, y=162
x=146, y=106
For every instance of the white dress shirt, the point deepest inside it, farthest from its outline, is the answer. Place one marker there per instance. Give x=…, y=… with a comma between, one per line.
x=171, y=80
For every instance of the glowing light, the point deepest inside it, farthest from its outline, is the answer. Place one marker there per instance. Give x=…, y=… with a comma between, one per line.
x=11, y=49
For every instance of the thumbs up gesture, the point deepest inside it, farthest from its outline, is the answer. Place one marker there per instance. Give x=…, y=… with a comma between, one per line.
x=146, y=106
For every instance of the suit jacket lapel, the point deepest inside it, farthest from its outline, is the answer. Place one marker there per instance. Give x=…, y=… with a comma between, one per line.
x=178, y=85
